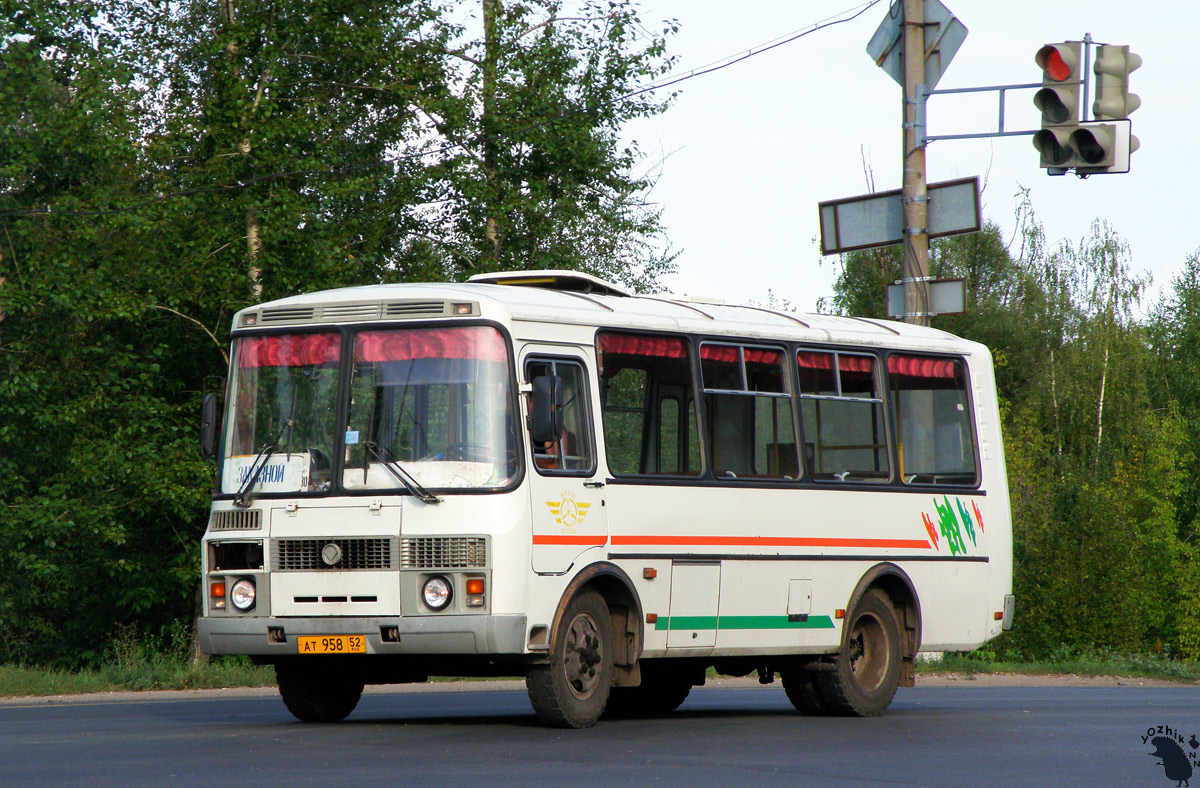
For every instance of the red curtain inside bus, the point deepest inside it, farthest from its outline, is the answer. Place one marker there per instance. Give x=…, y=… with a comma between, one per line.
x=728, y=354
x=916, y=367
x=292, y=350
x=808, y=359
x=642, y=345
x=477, y=343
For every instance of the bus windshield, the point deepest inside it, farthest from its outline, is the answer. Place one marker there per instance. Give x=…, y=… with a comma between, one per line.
x=283, y=413
x=435, y=404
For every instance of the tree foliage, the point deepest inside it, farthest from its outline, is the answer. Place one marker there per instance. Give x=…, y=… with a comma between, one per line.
x=541, y=99
x=1101, y=430
x=164, y=164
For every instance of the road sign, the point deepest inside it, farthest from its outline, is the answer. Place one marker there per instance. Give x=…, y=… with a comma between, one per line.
x=944, y=34
x=946, y=297
x=872, y=220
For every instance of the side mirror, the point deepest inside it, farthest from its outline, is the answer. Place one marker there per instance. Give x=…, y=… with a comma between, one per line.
x=208, y=427
x=546, y=420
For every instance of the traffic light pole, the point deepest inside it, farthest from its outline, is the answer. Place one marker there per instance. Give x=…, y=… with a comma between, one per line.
x=915, y=196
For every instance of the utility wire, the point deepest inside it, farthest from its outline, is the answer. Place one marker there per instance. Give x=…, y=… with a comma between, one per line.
x=666, y=82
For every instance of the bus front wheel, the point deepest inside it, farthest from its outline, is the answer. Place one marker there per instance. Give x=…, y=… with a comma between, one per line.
x=571, y=690
x=867, y=671
x=313, y=695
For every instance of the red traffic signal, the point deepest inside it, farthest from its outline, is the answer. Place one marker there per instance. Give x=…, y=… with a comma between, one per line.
x=1058, y=100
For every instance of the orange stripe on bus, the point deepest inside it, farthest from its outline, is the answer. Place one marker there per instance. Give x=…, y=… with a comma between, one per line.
x=769, y=541
x=568, y=539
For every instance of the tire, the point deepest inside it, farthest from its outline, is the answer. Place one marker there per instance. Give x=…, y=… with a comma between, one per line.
x=801, y=688
x=662, y=690
x=570, y=691
x=867, y=671
x=313, y=695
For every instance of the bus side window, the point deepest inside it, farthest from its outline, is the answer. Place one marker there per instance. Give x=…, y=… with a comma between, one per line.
x=933, y=420
x=841, y=415
x=749, y=412
x=645, y=379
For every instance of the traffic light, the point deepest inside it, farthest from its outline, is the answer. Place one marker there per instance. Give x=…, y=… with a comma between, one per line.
x=1058, y=101
x=1113, y=66
x=1114, y=101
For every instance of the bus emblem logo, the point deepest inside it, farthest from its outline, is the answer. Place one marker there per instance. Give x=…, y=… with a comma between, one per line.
x=568, y=511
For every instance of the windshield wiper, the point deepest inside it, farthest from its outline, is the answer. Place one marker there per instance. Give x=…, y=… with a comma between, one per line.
x=259, y=463
x=403, y=476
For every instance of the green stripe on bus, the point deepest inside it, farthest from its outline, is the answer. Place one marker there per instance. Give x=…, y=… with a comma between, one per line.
x=741, y=622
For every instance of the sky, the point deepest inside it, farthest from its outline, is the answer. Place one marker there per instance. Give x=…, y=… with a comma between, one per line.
x=744, y=154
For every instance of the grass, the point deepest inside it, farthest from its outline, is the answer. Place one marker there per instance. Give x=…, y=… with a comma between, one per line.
x=1069, y=661
x=135, y=664
x=20, y=681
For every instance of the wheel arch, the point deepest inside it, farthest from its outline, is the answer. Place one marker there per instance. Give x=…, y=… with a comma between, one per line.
x=625, y=608
x=898, y=586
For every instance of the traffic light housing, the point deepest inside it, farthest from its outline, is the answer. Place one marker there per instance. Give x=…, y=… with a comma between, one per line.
x=1114, y=102
x=1058, y=102
x=1114, y=63
x=1065, y=141
x=1058, y=99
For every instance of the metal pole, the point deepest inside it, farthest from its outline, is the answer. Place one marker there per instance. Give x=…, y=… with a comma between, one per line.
x=915, y=196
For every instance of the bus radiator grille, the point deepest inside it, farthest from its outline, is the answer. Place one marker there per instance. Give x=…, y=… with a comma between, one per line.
x=296, y=555
x=443, y=552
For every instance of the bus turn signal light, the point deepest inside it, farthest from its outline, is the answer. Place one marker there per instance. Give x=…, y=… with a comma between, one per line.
x=475, y=589
x=217, y=591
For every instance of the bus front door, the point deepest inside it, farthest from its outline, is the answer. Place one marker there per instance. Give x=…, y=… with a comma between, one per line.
x=566, y=485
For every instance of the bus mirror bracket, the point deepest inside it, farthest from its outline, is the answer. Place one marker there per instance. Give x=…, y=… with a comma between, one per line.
x=546, y=419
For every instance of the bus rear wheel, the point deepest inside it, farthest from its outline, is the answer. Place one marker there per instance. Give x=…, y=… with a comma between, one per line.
x=802, y=690
x=313, y=695
x=867, y=670
x=571, y=690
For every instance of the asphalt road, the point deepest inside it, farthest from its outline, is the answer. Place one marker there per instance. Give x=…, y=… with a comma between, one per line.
x=486, y=738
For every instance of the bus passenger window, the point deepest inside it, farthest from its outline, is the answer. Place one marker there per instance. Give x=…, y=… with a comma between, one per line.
x=841, y=415
x=644, y=379
x=933, y=420
x=751, y=430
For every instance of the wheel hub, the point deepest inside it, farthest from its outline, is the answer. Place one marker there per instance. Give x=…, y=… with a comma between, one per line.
x=583, y=656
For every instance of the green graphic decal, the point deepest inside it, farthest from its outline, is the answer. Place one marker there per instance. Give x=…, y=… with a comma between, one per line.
x=741, y=622
x=949, y=527
x=967, y=521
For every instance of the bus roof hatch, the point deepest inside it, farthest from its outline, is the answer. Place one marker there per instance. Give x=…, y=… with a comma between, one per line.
x=571, y=281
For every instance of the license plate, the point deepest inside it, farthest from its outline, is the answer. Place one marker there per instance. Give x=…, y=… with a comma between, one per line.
x=332, y=644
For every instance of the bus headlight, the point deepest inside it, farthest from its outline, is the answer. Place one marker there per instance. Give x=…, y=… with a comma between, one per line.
x=436, y=592
x=242, y=594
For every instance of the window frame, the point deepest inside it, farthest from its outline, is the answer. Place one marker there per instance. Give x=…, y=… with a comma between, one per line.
x=651, y=424
x=588, y=423
x=788, y=392
x=880, y=403
x=961, y=367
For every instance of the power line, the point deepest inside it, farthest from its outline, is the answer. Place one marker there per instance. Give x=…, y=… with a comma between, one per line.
x=666, y=82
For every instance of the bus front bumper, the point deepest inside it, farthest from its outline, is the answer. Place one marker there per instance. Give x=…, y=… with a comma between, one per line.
x=267, y=636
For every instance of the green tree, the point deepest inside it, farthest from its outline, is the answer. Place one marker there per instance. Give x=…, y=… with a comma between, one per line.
x=100, y=469
x=162, y=165
x=540, y=178
x=1097, y=412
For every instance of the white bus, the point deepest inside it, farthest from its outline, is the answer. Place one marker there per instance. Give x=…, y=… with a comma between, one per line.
x=544, y=474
